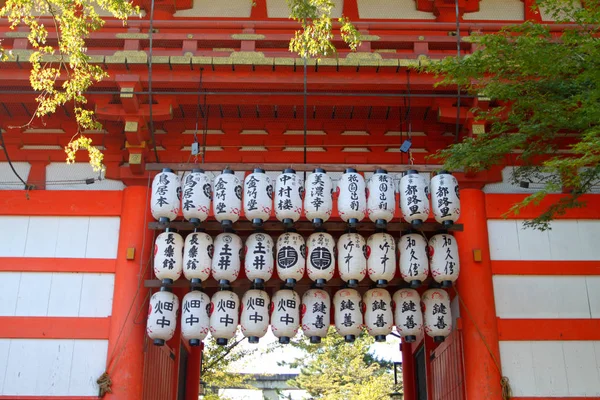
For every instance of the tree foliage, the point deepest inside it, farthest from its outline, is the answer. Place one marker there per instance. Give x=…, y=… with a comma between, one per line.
x=544, y=87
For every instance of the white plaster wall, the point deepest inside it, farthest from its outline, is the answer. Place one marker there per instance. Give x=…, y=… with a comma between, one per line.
x=280, y=9
x=8, y=180
x=498, y=10
x=391, y=9
x=507, y=186
x=63, y=176
x=212, y=8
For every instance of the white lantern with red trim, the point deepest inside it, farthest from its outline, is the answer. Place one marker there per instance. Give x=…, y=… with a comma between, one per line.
x=316, y=314
x=352, y=197
x=379, y=317
x=285, y=315
x=166, y=196
x=352, y=259
x=226, y=262
x=437, y=314
x=224, y=316
x=445, y=198
x=445, y=263
x=196, y=196
x=168, y=256
x=318, y=199
x=195, y=321
x=258, y=197
x=381, y=200
x=348, y=315
x=381, y=258
x=289, y=191
x=162, y=316
x=197, y=257
x=227, y=198
x=258, y=261
x=254, y=320
x=414, y=263
x=407, y=314
x=414, y=198
x=291, y=258
x=320, y=262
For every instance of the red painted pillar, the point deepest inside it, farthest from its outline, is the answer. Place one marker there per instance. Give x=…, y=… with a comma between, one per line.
x=193, y=373
x=408, y=371
x=482, y=378
x=125, y=350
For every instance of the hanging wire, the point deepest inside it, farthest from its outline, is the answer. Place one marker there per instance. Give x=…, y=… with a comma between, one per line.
x=205, y=133
x=456, y=133
x=27, y=187
x=198, y=118
x=411, y=159
x=150, y=79
x=305, y=111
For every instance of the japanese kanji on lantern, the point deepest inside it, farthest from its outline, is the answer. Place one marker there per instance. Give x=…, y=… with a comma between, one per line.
x=407, y=314
x=196, y=195
x=258, y=261
x=444, y=264
x=195, y=321
x=352, y=259
x=318, y=200
x=379, y=317
x=445, y=198
x=197, y=257
x=285, y=315
x=320, y=263
x=381, y=258
x=291, y=258
x=316, y=306
x=437, y=314
x=226, y=261
x=227, y=198
x=381, y=199
x=162, y=316
x=352, y=197
x=348, y=316
x=414, y=263
x=168, y=256
x=254, y=320
x=289, y=190
x=258, y=197
x=166, y=196
x=224, y=316
x=414, y=198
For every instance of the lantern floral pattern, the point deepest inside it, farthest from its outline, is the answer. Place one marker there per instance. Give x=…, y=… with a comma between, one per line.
x=407, y=314
x=227, y=197
x=195, y=321
x=226, y=261
x=197, y=256
x=316, y=311
x=414, y=263
x=162, y=316
x=289, y=190
x=166, y=196
x=445, y=198
x=258, y=262
x=348, y=315
x=285, y=314
x=168, y=256
x=196, y=196
x=318, y=200
x=320, y=263
x=414, y=198
x=352, y=258
x=379, y=318
x=254, y=320
x=381, y=257
x=258, y=196
x=437, y=314
x=381, y=200
x=444, y=264
x=291, y=256
x=352, y=197
x=224, y=315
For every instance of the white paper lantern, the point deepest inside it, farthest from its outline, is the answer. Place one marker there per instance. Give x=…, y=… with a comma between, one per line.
x=348, y=315
x=291, y=257
x=285, y=317
x=227, y=198
x=289, y=190
x=414, y=198
x=318, y=200
x=352, y=196
x=381, y=261
x=445, y=198
x=196, y=196
x=168, y=256
x=352, y=259
x=437, y=314
x=316, y=314
x=258, y=262
x=379, y=317
x=197, y=257
x=254, y=320
x=320, y=263
x=407, y=314
x=381, y=200
x=195, y=321
x=444, y=264
x=258, y=197
x=226, y=262
x=224, y=316
x=166, y=196
x=414, y=263
x=162, y=316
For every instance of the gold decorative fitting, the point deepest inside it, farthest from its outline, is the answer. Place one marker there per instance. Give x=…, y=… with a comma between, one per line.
x=135, y=159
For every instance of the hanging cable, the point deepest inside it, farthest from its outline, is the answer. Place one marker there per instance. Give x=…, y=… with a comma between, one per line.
x=205, y=133
x=456, y=133
x=10, y=164
x=408, y=118
x=305, y=112
x=195, y=149
x=150, y=79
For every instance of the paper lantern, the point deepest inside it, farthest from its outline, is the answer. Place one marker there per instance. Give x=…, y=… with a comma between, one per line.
x=414, y=264
x=352, y=197
x=168, y=256
x=445, y=198
x=444, y=264
x=379, y=317
x=437, y=314
x=352, y=260
x=285, y=315
x=166, y=196
x=289, y=190
x=258, y=197
x=254, y=320
x=291, y=258
x=196, y=196
x=227, y=198
x=162, y=316
x=318, y=200
x=320, y=263
x=226, y=262
x=258, y=262
x=224, y=316
x=197, y=257
x=381, y=258
x=348, y=316
x=195, y=321
x=414, y=198
x=407, y=314
x=316, y=314
x=381, y=200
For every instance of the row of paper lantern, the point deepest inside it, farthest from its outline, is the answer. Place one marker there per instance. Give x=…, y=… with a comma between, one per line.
x=200, y=257
x=356, y=198
x=287, y=313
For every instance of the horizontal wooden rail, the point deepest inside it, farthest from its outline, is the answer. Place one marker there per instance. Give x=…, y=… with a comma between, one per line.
x=298, y=167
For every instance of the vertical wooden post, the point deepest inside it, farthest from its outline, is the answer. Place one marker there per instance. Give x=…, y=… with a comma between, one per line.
x=193, y=373
x=408, y=371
